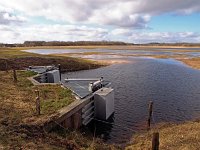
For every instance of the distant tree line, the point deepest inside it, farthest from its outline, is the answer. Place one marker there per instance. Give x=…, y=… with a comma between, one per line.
x=90, y=43
x=63, y=43
x=169, y=44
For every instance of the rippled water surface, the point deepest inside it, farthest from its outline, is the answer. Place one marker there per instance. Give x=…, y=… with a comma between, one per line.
x=173, y=87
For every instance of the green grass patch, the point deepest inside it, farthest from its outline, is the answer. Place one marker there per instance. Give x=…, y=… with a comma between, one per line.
x=23, y=82
x=14, y=52
x=52, y=106
x=22, y=93
x=26, y=74
x=54, y=97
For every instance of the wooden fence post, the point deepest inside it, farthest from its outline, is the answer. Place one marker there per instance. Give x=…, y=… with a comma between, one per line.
x=150, y=115
x=6, y=66
x=59, y=68
x=155, y=141
x=14, y=76
x=37, y=102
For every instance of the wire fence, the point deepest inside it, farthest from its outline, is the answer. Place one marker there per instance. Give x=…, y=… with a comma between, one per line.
x=155, y=137
x=101, y=121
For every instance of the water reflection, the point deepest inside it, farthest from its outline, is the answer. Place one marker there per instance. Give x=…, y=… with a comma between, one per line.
x=110, y=53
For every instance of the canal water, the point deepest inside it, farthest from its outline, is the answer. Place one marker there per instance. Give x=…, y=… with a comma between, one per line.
x=172, y=86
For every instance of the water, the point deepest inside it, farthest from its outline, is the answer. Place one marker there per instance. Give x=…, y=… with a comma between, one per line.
x=121, y=53
x=173, y=87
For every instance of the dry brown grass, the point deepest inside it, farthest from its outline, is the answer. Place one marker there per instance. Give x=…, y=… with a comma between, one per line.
x=112, y=47
x=17, y=111
x=184, y=136
x=17, y=59
x=17, y=102
x=20, y=96
x=192, y=62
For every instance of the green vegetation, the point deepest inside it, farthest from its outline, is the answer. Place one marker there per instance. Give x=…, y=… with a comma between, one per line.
x=53, y=98
x=17, y=103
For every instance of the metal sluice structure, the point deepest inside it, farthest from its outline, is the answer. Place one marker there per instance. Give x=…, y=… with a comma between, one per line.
x=95, y=93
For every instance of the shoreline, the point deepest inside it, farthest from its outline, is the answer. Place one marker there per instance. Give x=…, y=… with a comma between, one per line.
x=12, y=53
x=171, y=136
x=105, y=46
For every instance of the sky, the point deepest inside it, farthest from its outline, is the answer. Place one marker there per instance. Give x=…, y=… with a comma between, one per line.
x=134, y=21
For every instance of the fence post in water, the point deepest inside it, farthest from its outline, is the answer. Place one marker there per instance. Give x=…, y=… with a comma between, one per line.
x=14, y=76
x=59, y=68
x=150, y=115
x=37, y=102
x=155, y=141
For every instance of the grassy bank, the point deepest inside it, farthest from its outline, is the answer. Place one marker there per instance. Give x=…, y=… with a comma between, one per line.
x=184, y=136
x=17, y=104
x=17, y=109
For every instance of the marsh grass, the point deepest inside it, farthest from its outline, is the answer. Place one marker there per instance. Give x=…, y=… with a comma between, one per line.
x=172, y=137
x=192, y=62
x=15, y=58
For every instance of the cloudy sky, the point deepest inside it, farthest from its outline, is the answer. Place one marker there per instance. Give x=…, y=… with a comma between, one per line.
x=135, y=21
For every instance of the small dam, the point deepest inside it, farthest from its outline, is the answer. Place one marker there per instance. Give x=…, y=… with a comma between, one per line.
x=94, y=97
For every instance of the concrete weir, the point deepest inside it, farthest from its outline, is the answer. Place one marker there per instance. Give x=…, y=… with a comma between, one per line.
x=94, y=98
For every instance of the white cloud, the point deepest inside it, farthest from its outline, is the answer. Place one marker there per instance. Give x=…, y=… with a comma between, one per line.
x=8, y=18
x=122, y=17
x=164, y=37
x=17, y=34
x=123, y=13
x=121, y=32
